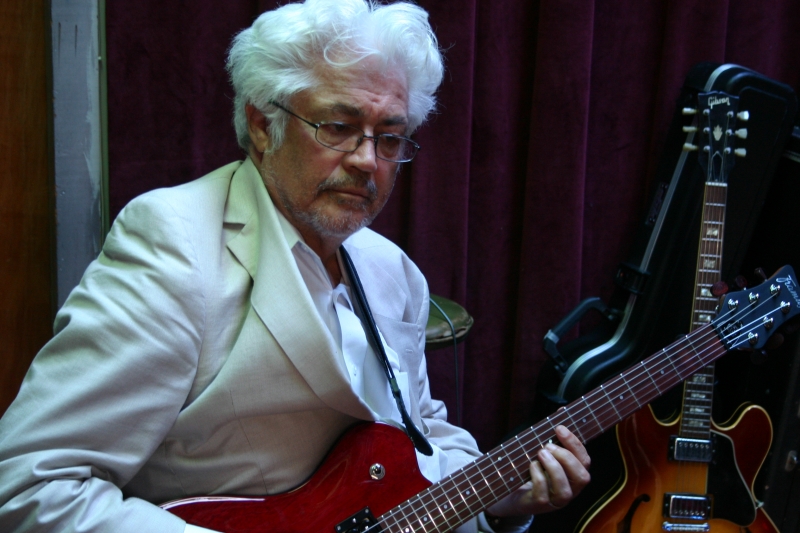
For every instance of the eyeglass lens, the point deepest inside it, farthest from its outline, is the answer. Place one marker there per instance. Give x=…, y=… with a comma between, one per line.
x=345, y=138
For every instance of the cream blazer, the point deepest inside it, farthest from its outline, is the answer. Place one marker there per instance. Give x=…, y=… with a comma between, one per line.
x=190, y=360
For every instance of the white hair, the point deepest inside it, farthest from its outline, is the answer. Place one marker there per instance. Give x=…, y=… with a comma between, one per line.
x=275, y=58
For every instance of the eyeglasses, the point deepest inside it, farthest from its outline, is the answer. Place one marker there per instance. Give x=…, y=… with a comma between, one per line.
x=346, y=138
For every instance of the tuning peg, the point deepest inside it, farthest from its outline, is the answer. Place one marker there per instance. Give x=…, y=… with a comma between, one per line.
x=689, y=129
x=761, y=274
x=740, y=152
x=719, y=288
x=744, y=116
x=689, y=147
x=741, y=133
x=689, y=111
x=741, y=282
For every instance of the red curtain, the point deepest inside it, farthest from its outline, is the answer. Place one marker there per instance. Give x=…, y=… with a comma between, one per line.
x=534, y=173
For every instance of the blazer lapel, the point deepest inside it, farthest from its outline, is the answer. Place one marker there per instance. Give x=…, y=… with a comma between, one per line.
x=279, y=295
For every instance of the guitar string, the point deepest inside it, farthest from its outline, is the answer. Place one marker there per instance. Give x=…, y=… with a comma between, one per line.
x=453, y=483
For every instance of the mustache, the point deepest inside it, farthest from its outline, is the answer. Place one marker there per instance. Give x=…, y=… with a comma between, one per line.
x=350, y=181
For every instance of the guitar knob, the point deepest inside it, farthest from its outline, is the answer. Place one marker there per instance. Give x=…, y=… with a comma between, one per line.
x=740, y=152
x=741, y=133
x=689, y=129
x=744, y=116
x=688, y=147
x=377, y=471
x=689, y=111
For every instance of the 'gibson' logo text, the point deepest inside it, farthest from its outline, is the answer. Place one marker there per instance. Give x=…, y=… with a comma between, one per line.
x=715, y=100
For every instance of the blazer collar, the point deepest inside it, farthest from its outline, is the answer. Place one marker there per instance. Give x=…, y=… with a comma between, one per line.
x=279, y=295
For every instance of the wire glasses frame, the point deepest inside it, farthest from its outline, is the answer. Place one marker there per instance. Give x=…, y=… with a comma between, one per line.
x=346, y=138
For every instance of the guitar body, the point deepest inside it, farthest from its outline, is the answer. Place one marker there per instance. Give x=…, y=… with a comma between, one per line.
x=340, y=488
x=637, y=506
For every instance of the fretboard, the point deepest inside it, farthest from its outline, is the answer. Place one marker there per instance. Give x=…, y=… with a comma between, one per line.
x=698, y=394
x=463, y=494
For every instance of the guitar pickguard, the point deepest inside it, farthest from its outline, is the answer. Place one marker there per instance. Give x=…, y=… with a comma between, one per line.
x=732, y=500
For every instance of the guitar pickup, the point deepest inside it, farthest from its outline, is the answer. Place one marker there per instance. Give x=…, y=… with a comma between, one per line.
x=687, y=506
x=697, y=450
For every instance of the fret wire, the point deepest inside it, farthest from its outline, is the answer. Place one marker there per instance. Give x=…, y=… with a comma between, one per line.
x=428, y=517
x=647, y=371
x=486, y=482
x=498, y=467
x=522, y=447
x=632, y=395
x=602, y=388
x=437, y=507
x=576, y=428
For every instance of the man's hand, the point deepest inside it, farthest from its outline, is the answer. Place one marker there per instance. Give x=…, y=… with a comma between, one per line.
x=558, y=475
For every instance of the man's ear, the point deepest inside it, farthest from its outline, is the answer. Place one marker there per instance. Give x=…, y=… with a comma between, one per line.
x=258, y=128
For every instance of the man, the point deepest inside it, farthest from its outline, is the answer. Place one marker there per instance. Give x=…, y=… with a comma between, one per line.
x=214, y=347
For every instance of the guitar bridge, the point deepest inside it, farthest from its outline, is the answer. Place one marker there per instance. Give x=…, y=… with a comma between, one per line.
x=694, y=528
x=361, y=521
x=697, y=450
x=687, y=506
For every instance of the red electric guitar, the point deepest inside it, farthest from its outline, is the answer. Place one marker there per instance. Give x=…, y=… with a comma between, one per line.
x=370, y=480
x=700, y=477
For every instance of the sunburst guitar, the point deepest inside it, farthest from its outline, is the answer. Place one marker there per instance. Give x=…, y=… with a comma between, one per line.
x=692, y=474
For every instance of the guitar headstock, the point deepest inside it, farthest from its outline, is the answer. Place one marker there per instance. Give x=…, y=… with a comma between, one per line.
x=747, y=318
x=717, y=115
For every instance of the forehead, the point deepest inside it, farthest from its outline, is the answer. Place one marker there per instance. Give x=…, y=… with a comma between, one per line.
x=364, y=91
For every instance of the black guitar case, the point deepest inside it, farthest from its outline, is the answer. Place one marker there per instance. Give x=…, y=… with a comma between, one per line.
x=655, y=286
x=652, y=303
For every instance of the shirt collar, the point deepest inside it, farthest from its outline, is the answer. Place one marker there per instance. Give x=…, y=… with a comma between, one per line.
x=290, y=233
x=296, y=243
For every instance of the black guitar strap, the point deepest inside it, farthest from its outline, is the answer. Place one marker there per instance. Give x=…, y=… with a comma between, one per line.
x=420, y=442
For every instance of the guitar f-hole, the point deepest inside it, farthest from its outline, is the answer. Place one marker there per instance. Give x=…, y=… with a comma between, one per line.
x=625, y=525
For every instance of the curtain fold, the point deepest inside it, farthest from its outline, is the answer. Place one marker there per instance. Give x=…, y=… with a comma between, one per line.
x=534, y=173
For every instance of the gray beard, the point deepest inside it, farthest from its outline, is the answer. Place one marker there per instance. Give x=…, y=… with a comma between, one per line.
x=342, y=226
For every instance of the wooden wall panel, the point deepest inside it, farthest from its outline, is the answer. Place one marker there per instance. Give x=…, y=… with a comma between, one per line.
x=25, y=219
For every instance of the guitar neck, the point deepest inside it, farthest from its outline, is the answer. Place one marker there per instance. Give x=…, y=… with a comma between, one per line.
x=477, y=486
x=698, y=394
